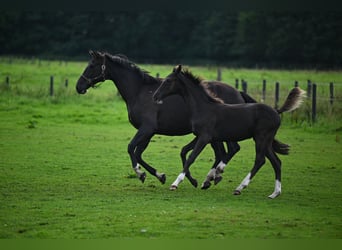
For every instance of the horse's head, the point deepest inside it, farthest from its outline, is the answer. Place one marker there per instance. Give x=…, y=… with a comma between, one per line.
x=95, y=72
x=170, y=85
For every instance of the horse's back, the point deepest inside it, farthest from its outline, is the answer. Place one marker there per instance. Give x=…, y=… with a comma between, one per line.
x=225, y=92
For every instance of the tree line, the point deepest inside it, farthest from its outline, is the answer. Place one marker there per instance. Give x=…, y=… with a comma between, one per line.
x=249, y=39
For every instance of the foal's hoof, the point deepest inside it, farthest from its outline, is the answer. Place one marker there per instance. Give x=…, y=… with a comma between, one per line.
x=217, y=179
x=162, y=178
x=274, y=195
x=206, y=185
x=237, y=192
x=142, y=177
x=173, y=187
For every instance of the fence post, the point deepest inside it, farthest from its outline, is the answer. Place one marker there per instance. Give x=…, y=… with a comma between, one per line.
x=237, y=83
x=296, y=84
x=7, y=81
x=263, y=90
x=219, y=74
x=66, y=82
x=331, y=93
x=314, y=87
x=51, y=85
x=309, y=89
x=244, y=86
x=276, y=94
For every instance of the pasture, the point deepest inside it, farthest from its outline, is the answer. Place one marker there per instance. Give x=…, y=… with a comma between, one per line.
x=65, y=172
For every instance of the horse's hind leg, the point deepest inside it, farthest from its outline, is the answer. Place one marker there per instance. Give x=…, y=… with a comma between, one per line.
x=276, y=164
x=259, y=162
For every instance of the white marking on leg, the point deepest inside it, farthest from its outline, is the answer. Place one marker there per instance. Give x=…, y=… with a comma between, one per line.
x=244, y=183
x=220, y=167
x=277, y=190
x=138, y=171
x=179, y=179
x=211, y=174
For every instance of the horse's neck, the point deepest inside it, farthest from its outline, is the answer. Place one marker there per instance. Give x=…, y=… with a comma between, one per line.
x=195, y=99
x=127, y=82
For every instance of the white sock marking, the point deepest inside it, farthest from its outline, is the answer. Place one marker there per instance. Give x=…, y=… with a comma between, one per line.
x=220, y=167
x=245, y=182
x=179, y=179
x=137, y=170
x=277, y=190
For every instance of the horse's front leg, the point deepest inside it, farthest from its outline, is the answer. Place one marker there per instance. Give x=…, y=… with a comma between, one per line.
x=220, y=152
x=135, y=149
x=199, y=146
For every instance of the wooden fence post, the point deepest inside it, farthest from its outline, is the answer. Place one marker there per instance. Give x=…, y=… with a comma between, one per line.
x=276, y=95
x=7, y=81
x=219, y=74
x=51, y=85
x=66, y=82
x=263, y=90
x=314, y=99
x=244, y=86
x=237, y=83
x=331, y=93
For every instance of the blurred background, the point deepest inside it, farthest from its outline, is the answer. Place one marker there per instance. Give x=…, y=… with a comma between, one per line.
x=254, y=39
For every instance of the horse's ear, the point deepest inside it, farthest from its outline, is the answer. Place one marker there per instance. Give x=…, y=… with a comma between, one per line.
x=178, y=69
x=95, y=54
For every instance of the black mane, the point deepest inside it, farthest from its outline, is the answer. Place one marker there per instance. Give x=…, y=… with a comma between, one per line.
x=126, y=63
x=197, y=80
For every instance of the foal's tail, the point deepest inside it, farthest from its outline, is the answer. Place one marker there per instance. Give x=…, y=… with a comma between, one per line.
x=293, y=100
x=280, y=148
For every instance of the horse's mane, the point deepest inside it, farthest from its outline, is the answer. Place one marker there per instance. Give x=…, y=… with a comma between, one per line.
x=197, y=80
x=126, y=63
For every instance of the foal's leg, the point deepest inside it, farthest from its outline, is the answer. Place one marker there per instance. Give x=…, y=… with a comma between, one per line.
x=276, y=164
x=259, y=161
x=200, y=144
x=220, y=152
x=188, y=147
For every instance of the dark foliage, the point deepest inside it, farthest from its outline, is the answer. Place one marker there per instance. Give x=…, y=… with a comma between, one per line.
x=279, y=39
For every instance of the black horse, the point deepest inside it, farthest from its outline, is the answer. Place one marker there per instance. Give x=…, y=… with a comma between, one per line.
x=214, y=121
x=136, y=88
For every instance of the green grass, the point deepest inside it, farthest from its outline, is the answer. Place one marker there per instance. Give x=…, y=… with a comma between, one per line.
x=65, y=172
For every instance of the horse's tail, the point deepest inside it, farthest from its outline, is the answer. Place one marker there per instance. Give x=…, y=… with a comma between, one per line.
x=280, y=148
x=247, y=98
x=293, y=100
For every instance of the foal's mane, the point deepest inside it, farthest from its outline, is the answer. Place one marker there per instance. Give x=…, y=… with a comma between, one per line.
x=198, y=81
x=126, y=63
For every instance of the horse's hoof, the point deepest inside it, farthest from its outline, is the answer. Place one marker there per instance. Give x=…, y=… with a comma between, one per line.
x=237, y=192
x=162, y=178
x=142, y=177
x=194, y=183
x=274, y=195
x=206, y=185
x=217, y=179
x=173, y=188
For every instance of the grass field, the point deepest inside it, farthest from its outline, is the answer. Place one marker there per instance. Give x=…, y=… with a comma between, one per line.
x=65, y=172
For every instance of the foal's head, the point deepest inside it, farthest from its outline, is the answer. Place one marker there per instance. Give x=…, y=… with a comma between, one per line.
x=171, y=85
x=95, y=72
